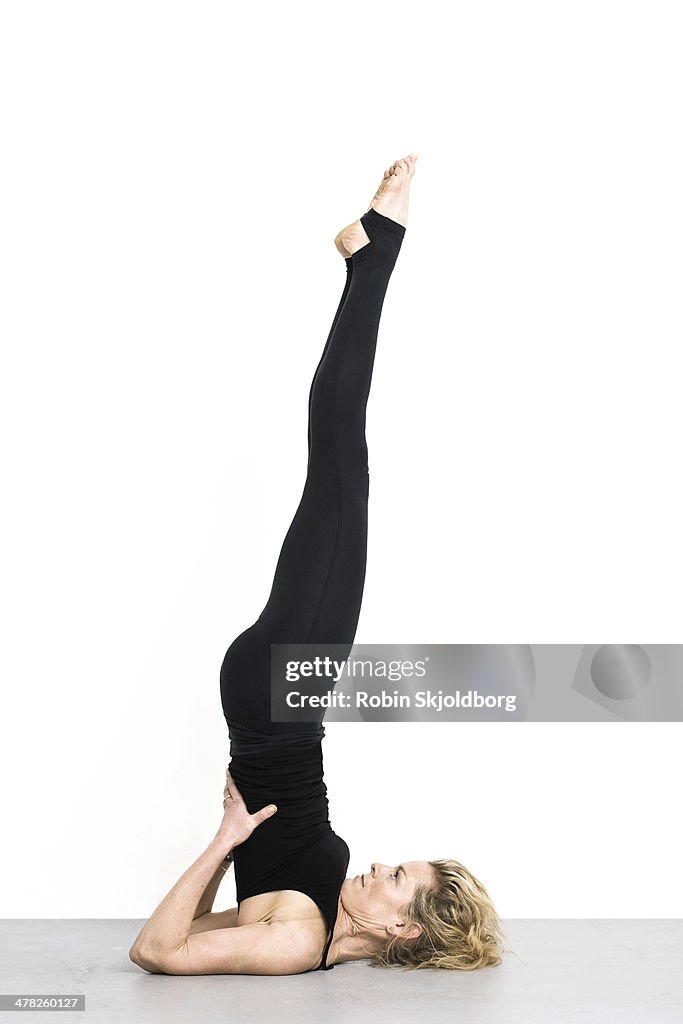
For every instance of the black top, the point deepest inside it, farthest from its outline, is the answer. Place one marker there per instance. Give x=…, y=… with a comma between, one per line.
x=296, y=848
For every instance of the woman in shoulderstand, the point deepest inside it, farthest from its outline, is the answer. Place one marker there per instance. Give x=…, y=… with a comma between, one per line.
x=297, y=911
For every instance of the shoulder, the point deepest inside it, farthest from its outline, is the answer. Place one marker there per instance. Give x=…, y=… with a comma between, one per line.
x=276, y=947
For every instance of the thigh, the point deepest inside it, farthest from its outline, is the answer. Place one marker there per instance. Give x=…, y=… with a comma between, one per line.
x=315, y=597
x=318, y=582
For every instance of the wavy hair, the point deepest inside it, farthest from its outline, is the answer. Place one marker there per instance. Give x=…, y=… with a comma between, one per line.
x=461, y=930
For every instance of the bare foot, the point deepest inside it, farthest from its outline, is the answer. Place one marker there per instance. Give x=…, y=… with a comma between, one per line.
x=390, y=199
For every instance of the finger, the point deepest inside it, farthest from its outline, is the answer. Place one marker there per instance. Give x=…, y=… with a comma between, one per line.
x=233, y=788
x=265, y=812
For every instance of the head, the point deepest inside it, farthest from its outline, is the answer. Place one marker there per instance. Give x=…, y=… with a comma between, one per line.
x=425, y=914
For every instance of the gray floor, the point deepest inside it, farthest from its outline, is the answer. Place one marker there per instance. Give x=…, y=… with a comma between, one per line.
x=557, y=971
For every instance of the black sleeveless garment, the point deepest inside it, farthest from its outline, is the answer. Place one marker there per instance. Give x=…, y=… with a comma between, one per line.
x=296, y=848
x=315, y=598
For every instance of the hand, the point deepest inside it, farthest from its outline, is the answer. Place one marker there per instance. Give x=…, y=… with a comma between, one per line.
x=238, y=823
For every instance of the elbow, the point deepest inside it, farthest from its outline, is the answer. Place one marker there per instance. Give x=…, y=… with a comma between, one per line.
x=136, y=955
x=144, y=958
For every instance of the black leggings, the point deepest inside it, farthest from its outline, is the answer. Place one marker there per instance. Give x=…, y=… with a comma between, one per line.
x=318, y=584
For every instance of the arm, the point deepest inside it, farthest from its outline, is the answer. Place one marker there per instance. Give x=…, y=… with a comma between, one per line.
x=279, y=947
x=209, y=895
x=218, y=919
x=204, y=920
x=169, y=926
x=166, y=933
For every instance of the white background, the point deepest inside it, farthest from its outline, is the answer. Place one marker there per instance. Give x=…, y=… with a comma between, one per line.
x=172, y=180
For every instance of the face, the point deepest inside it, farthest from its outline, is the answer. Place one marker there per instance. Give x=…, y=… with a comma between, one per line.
x=375, y=899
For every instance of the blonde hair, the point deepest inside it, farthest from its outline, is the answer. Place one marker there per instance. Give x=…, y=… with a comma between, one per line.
x=461, y=930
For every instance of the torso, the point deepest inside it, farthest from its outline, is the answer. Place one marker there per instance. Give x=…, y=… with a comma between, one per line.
x=288, y=905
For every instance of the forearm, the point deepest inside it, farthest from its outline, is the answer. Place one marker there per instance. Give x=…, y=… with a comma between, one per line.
x=209, y=895
x=169, y=926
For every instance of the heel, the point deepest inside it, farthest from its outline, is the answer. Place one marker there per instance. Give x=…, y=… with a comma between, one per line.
x=386, y=238
x=381, y=223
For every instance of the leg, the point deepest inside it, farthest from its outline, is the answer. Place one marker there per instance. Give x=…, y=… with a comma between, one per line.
x=347, y=285
x=318, y=583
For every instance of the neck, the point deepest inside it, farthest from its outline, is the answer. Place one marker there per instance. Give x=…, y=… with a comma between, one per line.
x=348, y=943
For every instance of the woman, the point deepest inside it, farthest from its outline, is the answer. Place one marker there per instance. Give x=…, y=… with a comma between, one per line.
x=297, y=911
